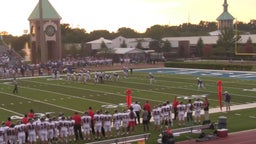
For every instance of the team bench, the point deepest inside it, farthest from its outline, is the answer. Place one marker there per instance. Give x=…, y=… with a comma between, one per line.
x=123, y=140
x=176, y=132
x=193, y=129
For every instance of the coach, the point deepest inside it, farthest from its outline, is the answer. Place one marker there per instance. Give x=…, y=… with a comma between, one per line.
x=77, y=127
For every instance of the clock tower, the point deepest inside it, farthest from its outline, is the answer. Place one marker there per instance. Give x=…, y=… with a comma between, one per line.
x=45, y=33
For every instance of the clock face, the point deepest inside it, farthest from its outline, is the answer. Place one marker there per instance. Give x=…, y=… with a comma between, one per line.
x=50, y=30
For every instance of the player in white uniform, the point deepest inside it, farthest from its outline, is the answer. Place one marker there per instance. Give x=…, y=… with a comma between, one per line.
x=156, y=112
x=117, y=122
x=200, y=83
x=181, y=113
x=51, y=129
x=97, y=124
x=71, y=132
x=125, y=71
x=151, y=78
x=107, y=119
x=86, y=125
x=68, y=76
x=116, y=76
x=168, y=113
x=56, y=129
x=63, y=130
x=11, y=134
x=31, y=128
x=20, y=128
x=2, y=135
x=189, y=109
x=42, y=128
x=125, y=121
x=198, y=106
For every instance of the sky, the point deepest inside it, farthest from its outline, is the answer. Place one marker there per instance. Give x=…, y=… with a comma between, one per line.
x=113, y=14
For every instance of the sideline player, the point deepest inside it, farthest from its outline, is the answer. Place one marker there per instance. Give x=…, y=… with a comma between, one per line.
x=86, y=125
x=198, y=106
x=156, y=112
x=117, y=121
x=181, y=112
x=107, y=119
x=31, y=128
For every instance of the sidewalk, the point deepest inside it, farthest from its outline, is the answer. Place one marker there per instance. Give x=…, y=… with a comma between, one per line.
x=217, y=110
x=233, y=107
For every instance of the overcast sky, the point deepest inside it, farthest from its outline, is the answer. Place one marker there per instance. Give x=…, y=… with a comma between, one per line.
x=113, y=14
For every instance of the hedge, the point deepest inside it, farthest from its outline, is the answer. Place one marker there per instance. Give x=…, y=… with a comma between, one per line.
x=215, y=66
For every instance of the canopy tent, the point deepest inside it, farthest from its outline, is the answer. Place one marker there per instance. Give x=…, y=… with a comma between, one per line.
x=99, y=41
x=123, y=51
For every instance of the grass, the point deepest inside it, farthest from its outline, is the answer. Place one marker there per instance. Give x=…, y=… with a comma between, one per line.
x=46, y=95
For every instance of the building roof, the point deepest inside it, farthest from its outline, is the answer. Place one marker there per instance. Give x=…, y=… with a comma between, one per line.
x=49, y=12
x=127, y=50
x=208, y=39
x=225, y=16
x=99, y=41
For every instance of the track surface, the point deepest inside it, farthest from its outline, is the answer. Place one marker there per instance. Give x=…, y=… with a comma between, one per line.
x=243, y=137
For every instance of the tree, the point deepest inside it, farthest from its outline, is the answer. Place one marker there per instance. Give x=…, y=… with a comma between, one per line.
x=248, y=48
x=227, y=40
x=167, y=46
x=155, y=45
x=123, y=45
x=72, y=35
x=139, y=45
x=104, y=50
x=127, y=32
x=200, y=46
x=155, y=32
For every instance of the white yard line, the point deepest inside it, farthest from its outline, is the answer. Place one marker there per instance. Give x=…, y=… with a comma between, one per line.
x=20, y=114
x=38, y=101
x=66, y=95
x=93, y=91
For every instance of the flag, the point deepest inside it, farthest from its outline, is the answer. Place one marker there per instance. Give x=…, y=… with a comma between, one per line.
x=219, y=83
x=128, y=98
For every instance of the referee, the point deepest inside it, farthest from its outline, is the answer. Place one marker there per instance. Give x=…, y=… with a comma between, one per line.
x=15, y=89
x=137, y=108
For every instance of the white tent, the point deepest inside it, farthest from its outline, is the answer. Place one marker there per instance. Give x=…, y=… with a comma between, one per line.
x=127, y=51
x=96, y=44
x=99, y=41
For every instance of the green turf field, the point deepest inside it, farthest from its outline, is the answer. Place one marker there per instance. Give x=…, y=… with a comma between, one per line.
x=48, y=95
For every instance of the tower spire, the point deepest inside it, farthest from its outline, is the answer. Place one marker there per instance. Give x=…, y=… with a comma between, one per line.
x=225, y=6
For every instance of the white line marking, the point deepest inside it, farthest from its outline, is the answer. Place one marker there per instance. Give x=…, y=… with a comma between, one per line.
x=41, y=102
x=11, y=111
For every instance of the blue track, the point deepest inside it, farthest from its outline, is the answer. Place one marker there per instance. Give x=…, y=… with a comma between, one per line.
x=201, y=72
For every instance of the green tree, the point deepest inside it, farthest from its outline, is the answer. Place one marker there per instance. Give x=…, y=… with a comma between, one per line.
x=105, y=51
x=248, y=46
x=127, y=32
x=155, y=45
x=139, y=45
x=155, y=32
x=227, y=40
x=200, y=46
x=167, y=46
x=123, y=45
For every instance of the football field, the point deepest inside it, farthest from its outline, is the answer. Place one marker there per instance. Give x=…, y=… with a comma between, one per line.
x=45, y=94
